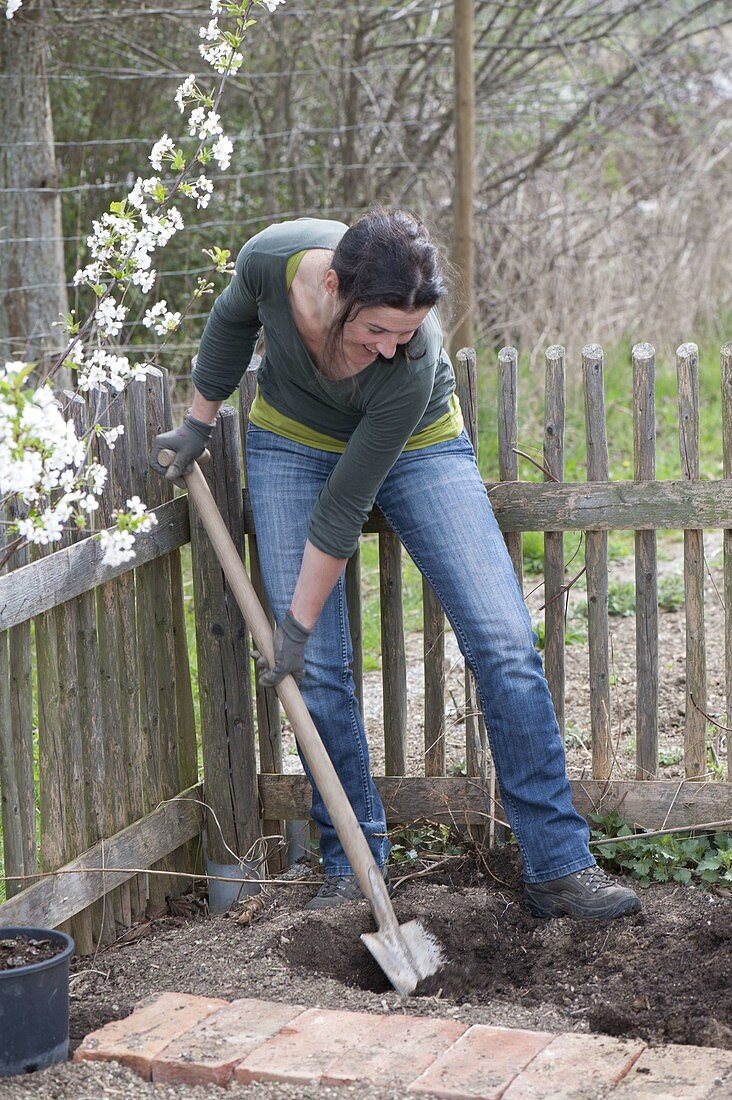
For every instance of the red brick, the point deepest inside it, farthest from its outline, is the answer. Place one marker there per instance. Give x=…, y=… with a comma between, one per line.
x=398, y=1050
x=209, y=1052
x=143, y=1035
x=481, y=1064
x=574, y=1061
x=678, y=1073
x=304, y=1050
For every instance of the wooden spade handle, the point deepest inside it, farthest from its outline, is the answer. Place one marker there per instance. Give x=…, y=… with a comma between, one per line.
x=341, y=812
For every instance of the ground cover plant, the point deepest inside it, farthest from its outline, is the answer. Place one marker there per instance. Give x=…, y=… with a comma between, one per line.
x=687, y=857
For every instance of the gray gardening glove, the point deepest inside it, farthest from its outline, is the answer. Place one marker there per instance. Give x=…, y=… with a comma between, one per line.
x=189, y=443
x=290, y=639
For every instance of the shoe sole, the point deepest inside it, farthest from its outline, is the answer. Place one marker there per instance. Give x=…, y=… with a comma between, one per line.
x=579, y=912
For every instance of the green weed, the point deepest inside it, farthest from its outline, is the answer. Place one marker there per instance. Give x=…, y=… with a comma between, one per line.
x=427, y=841
x=668, y=757
x=572, y=635
x=678, y=857
x=670, y=593
x=621, y=598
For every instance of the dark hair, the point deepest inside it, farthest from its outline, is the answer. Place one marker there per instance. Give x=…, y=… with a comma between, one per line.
x=386, y=258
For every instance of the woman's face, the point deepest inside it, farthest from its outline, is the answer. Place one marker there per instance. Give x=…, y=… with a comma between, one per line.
x=379, y=330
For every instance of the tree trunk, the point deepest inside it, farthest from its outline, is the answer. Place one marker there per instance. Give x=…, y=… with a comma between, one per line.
x=32, y=274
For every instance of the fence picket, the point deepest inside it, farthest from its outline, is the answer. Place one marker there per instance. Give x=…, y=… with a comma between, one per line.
x=434, y=681
x=597, y=572
x=17, y=787
x=554, y=598
x=507, y=427
x=355, y=620
x=117, y=646
x=477, y=763
x=227, y=723
x=269, y=726
x=393, y=654
x=726, y=370
x=646, y=569
x=687, y=369
x=168, y=753
x=90, y=718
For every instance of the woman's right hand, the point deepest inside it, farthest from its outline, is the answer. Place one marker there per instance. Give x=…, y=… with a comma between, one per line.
x=290, y=639
x=188, y=442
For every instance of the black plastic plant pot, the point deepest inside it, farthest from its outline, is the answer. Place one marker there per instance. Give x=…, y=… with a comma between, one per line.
x=34, y=1006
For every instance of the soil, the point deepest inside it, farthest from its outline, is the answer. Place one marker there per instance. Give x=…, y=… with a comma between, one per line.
x=24, y=951
x=664, y=975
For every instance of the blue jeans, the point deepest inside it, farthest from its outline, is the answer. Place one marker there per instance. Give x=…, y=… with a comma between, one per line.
x=435, y=500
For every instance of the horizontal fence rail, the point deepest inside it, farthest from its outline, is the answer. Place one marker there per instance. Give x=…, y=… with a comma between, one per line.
x=520, y=506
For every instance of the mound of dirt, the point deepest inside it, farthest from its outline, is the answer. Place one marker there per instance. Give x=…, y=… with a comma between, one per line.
x=664, y=974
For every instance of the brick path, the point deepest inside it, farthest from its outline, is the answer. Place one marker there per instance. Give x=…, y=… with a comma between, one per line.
x=176, y=1037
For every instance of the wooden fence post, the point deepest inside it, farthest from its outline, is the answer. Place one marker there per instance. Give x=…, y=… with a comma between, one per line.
x=646, y=569
x=687, y=368
x=597, y=573
x=726, y=366
x=227, y=723
x=554, y=597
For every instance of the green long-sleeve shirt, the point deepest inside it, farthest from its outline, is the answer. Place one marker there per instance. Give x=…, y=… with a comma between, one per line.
x=374, y=413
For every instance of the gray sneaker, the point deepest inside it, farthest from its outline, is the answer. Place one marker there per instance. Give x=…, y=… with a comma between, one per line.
x=588, y=893
x=339, y=889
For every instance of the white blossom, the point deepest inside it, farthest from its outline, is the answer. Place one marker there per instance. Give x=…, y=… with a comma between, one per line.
x=222, y=57
x=102, y=369
x=164, y=148
x=222, y=151
x=271, y=5
x=211, y=31
x=96, y=476
x=185, y=92
x=201, y=190
x=13, y=5
x=117, y=546
x=111, y=435
x=145, y=280
x=117, y=543
x=110, y=317
x=43, y=528
x=160, y=319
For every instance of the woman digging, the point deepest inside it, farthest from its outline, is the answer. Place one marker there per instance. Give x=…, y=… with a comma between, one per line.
x=356, y=404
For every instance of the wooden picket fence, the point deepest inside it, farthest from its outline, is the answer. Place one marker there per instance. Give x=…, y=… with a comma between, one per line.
x=118, y=748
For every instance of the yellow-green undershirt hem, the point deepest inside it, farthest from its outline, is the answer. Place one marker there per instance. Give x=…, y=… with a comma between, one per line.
x=263, y=415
